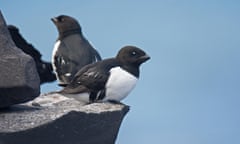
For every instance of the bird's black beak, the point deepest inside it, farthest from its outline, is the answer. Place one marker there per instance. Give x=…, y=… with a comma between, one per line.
x=144, y=58
x=54, y=19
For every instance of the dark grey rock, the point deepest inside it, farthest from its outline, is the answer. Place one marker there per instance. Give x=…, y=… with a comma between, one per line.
x=58, y=120
x=44, y=68
x=19, y=80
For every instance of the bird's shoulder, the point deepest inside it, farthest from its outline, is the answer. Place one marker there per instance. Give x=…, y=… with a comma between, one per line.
x=96, y=71
x=69, y=49
x=74, y=43
x=93, y=76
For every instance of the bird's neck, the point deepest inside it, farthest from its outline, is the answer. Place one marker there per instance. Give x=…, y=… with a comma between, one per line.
x=132, y=69
x=63, y=34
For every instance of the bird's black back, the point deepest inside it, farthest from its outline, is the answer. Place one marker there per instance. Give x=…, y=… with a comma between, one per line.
x=92, y=77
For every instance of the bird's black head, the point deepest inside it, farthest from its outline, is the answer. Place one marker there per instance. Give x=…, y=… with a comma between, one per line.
x=131, y=55
x=66, y=23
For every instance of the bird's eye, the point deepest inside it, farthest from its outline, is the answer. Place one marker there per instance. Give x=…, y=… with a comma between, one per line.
x=133, y=53
x=60, y=19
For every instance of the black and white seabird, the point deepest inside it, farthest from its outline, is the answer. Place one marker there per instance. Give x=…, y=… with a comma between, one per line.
x=72, y=50
x=44, y=69
x=107, y=80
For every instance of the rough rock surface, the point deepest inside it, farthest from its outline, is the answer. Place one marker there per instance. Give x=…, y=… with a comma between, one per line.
x=19, y=80
x=44, y=68
x=54, y=119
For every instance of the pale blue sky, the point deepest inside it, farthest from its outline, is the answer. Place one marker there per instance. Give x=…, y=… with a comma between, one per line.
x=189, y=92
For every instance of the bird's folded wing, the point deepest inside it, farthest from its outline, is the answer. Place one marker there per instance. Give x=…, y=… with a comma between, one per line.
x=74, y=90
x=86, y=80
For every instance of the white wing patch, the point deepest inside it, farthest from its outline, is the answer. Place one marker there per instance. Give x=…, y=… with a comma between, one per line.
x=119, y=84
x=68, y=74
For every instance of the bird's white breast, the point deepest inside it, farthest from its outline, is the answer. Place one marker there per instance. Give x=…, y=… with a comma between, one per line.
x=83, y=97
x=55, y=49
x=119, y=84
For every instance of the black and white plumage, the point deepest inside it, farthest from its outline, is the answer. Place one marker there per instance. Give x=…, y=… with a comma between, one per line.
x=44, y=68
x=108, y=80
x=72, y=50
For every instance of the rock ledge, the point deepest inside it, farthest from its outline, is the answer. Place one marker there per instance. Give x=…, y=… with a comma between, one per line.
x=53, y=119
